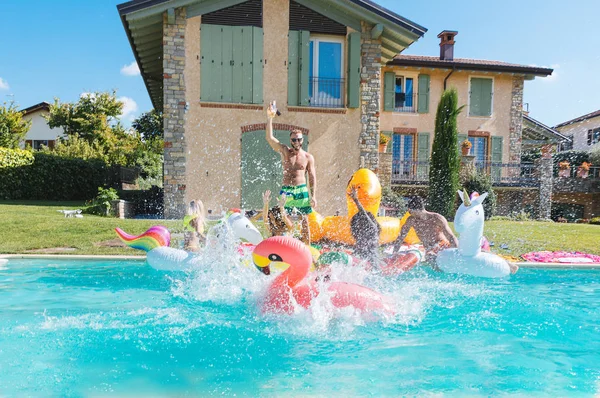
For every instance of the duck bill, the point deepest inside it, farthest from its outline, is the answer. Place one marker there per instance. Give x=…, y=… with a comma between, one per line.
x=262, y=263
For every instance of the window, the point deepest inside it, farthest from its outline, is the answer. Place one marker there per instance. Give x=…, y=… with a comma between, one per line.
x=403, y=95
x=326, y=82
x=593, y=136
x=481, y=96
x=479, y=150
x=37, y=144
x=402, y=154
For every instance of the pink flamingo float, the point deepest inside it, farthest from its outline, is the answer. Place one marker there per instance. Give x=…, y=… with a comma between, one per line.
x=293, y=282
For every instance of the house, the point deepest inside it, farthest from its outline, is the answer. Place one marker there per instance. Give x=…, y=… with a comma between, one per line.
x=584, y=131
x=39, y=133
x=334, y=68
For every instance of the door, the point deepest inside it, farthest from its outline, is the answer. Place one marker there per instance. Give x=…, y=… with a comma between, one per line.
x=261, y=167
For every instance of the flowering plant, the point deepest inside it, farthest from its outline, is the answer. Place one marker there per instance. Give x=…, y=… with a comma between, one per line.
x=383, y=139
x=585, y=166
x=564, y=165
x=466, y=144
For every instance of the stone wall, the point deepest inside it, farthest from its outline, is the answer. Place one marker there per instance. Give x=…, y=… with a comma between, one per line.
x=516, y=120
x=370, y=98
x=174, y=114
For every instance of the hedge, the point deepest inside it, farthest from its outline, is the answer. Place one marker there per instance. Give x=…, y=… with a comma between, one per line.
x=575, y=159
x=51, y=177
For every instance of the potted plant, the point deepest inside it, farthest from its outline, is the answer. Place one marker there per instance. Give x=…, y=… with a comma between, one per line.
x=564, y=169
x=584, y=170
x=465, y=147
x=383, y=141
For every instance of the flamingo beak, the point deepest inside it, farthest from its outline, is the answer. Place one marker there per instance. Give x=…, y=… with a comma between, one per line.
x=261, y=263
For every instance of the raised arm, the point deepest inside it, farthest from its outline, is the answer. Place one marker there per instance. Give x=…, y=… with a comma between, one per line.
x=403, y=232
x=266, y=199
x=273, y=142
x=312, y=180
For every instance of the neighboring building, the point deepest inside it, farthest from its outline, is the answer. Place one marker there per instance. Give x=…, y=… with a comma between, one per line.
x=584, y=130
x=40, y=134
x=334, y=69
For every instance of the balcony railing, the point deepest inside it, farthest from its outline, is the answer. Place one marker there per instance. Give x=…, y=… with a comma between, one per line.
x=593, y=173
x=326, y=93
x=405, y=103
x=506, y=174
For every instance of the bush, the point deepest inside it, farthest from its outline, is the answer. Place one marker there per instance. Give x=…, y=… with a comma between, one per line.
x=595, y=157
x=52, y=177
x=15, y=157
x=389, y=198
x=481, y=183
x=595, y=221
x=102, y=203
x=76, y=147
x=575, y=158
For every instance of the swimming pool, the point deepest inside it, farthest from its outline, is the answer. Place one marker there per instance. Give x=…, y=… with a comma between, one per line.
x=81, y=328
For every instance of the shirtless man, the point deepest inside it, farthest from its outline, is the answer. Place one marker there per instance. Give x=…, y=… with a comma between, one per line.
x=296, y=163
x=431, y=228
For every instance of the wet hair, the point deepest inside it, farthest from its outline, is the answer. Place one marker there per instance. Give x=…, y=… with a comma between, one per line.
x=296, y=131
x=276, y=221
x=416, y=203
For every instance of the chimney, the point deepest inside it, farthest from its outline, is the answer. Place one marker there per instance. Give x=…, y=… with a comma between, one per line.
x=447, y=45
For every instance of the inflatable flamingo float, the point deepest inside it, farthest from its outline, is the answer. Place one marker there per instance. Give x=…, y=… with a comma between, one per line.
x=294, y=284
x=468, y=258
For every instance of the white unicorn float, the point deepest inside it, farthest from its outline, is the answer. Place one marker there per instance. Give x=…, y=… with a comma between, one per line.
x=468, y=258
x=232, y=229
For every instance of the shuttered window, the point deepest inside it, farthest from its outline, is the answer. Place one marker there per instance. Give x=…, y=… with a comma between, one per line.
x=496, y=154
x=231, y=64
x=480, y=97
x=423, y=94
x=423, y=155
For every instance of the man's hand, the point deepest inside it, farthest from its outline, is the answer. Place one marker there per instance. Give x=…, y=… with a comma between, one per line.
x=266, y=197
x=282, y=200
x=272, y=110
x=313, y=202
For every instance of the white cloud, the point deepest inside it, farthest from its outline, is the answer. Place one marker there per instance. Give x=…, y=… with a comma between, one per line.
x=554, y=76
x=129, y=107
x=131, y=70
x=4, y=84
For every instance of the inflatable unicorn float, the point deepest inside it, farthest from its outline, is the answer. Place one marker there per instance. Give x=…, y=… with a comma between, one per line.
x=233, y=228
x=468, y=258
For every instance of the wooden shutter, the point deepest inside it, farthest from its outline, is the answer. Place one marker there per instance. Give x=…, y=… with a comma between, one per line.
x=481, y=97
x=497, y=143
x=208, y=38
x=257, y=65
x=304, y=67
x=238, y=63
x=486, y=97
x=51, y=144
x=389, y=85
x=247, y=59
x=293, y=67
x=423, y=95
x=226, y=64
x=354, y=70
x=590, y=137
x=422, y=154
x=475, y=98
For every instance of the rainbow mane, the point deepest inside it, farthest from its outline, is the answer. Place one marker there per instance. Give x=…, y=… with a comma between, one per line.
x=156, y=236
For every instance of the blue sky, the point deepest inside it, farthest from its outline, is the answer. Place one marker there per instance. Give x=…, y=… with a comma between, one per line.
x=62, y=48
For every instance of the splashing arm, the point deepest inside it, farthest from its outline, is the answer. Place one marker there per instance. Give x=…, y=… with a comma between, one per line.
x=286, y=218
x=273, y=142
x=403, y=232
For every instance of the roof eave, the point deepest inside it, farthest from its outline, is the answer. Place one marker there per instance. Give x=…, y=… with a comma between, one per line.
x=526, y=70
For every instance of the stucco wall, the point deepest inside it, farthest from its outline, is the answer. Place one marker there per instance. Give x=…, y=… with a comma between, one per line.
x=213, y=133
x=39, y=127
x=498, y=124
x=579, y=131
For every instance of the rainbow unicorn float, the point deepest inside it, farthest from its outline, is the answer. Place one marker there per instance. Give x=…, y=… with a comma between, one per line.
x=468, y=258
x=156, y=240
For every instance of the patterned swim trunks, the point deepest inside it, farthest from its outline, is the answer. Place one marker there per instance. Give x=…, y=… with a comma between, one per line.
x=297, y=198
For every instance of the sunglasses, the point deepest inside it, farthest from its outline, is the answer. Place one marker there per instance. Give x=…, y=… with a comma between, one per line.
x=296, y=139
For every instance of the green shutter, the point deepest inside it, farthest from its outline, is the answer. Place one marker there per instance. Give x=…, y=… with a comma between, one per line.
x=238, y=61
x=217, y=50
x=389, y=86
x=354, y=70
x=461, y=138
x=227, y=64
x=247, y=59
x=304, y=68
x=207, y=64
x=257, y=65
x=496, y=158
x=293, y=67
x=423, y=99
x=422, y=154
x=481, y=97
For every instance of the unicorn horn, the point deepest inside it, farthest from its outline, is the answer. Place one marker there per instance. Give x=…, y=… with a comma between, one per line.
x=466, y=201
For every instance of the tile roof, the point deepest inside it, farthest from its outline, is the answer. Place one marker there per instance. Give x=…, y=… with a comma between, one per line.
x=579, y=119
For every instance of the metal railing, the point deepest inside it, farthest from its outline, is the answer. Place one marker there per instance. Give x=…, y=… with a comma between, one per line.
x=405, y=103
x=327, y=93
x=593, y=173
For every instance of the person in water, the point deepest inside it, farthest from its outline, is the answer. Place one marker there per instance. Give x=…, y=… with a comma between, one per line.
x=277, y=221
x=194, y=226
x=296, y=164
x=365, y=231
x=431, y=228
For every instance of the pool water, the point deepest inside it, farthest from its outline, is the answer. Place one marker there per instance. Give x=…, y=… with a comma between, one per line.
x=90, y=328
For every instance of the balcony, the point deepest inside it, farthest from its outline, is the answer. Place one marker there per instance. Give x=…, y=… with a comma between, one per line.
x=326, y=93
x=405, y=103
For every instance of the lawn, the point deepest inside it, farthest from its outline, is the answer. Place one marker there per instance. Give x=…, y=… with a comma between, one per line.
x=35, y=225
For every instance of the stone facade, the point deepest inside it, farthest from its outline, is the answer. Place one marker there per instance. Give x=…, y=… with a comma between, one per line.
x=516, y=120
x=174, y=114
x=370, y=98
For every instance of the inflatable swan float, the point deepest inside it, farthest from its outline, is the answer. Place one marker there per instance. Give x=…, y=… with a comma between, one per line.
x=294, y=280
x=468, y=257
x=155, y=242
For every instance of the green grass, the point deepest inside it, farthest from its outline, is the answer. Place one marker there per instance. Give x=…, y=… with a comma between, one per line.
x=37, y=225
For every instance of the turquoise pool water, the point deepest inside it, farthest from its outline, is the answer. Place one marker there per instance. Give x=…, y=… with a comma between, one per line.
x=93, y=328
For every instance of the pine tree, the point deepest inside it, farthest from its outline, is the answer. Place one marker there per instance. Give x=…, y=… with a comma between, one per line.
x=445, y=163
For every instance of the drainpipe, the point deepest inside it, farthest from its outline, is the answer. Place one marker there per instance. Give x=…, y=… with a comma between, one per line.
x=449, y=74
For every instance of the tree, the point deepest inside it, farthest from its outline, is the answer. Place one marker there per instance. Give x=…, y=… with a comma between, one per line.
x=13, y=127
x=149, y=125
x=445, y=164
